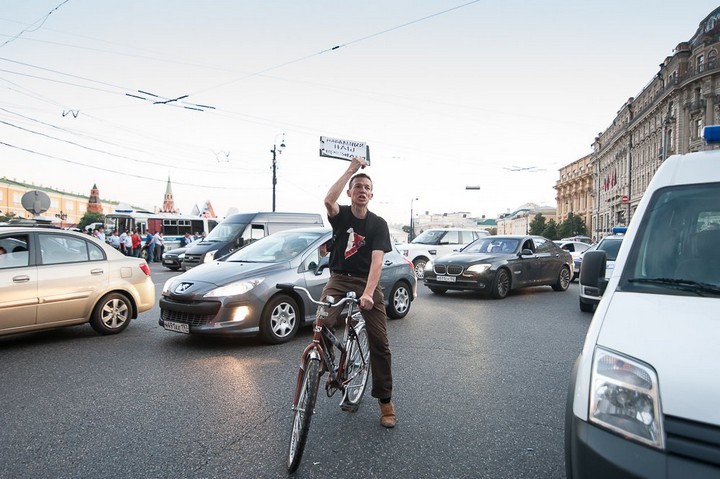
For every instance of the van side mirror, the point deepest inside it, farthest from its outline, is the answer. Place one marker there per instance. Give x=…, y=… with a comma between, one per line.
x=592, y=271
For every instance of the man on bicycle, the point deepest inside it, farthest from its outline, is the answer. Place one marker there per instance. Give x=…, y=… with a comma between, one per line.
x=360, y=241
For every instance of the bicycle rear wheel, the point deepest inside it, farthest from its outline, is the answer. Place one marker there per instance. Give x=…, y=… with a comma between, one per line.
x=357, y=368
x=303, y=412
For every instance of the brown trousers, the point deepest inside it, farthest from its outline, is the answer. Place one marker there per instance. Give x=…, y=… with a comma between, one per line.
x=376, y=325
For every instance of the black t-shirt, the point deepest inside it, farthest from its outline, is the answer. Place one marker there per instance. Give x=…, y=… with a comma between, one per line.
x=355, y=239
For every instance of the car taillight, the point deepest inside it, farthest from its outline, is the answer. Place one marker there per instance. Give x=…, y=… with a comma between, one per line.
x=145, y=269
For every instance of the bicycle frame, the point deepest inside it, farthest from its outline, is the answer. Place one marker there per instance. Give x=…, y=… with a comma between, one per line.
x=316, y=349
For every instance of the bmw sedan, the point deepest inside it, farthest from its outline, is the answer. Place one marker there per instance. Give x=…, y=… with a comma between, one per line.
x=499, y=264
x=51, y=278
x=236, y=295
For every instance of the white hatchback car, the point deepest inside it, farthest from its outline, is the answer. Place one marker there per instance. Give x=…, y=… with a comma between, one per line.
x=644, y=395
x=437, y=242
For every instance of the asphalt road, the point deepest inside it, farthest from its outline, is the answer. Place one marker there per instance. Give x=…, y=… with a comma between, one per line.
x=480, y=390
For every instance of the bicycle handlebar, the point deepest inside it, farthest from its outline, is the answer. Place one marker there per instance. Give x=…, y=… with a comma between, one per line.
x=350, y=298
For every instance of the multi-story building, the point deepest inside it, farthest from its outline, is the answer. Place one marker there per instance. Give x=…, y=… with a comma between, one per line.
x=665, y=118
x=65, y=208
x=518, y=222
x=575, y=191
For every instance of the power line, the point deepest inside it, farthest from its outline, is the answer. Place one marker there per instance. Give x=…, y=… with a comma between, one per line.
x=30, y=29
x=124, y=173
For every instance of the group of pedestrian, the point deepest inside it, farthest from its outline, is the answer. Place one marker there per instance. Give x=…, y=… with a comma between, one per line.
x=154, y=242
x=128, y=243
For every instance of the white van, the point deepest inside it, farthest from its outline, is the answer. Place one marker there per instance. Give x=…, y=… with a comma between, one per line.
x=644, y=396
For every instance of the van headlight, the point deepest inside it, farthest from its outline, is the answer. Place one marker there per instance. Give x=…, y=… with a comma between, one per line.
x=209, y=256
x=624, y=398
x=234, y=289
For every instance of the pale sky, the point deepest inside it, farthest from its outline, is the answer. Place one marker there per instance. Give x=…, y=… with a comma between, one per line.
x=448, y=94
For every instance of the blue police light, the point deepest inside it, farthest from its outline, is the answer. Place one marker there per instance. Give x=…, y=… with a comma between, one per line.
x=711, y=134
x=619, y=230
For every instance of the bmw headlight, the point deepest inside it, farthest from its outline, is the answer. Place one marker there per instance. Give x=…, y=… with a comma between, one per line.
x=428, y=266
x=234, y=289
x=479, y=268
x=624, y=398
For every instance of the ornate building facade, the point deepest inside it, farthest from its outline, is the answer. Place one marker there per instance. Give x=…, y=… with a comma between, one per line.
x=575, y=191
x=665, y=118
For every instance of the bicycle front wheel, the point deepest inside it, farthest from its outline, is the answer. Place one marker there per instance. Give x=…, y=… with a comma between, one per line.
x=357, y=367
x=303, y=412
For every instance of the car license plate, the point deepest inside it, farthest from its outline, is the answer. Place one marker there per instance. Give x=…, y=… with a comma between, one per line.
x=178, y=327
x=167, y=261
x=447, y=279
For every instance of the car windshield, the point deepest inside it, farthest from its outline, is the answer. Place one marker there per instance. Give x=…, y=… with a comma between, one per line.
x=677, y=248
x=276, y=248
x=611, y=246
x=429, y=237
x=492, y=245
x=224, y=232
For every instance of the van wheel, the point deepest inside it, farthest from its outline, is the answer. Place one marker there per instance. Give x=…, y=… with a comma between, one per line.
x=280, y=320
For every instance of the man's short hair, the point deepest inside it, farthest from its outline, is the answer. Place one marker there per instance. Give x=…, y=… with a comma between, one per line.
x=359, y=175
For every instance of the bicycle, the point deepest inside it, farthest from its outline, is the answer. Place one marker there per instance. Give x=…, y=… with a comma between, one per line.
x=349, y=375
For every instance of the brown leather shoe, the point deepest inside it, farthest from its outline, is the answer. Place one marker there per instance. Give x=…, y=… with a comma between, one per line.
x=387, y=414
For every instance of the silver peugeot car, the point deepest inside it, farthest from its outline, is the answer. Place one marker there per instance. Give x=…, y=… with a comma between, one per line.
x=236, y=295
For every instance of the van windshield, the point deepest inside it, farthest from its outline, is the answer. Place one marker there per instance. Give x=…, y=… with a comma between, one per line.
x=677, y=247
x=225, y=232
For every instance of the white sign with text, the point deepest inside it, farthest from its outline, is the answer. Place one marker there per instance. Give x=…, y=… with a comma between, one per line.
x=344, y=149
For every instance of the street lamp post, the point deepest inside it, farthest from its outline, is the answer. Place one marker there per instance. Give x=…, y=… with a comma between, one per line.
x=62, y=216
x=412, y=220
x=275, y=152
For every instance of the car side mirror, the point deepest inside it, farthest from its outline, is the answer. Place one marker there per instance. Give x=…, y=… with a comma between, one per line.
x=526, y=252
x=324, y=263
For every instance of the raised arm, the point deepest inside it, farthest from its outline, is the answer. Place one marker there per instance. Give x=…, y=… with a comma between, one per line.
x=333, y=194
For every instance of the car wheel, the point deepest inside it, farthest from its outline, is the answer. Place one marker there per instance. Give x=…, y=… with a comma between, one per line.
x=439, y=291
x=563, y=280
x=172, y=268
x=586, y=307
x=280, y=320
x=419, y=265
x=112, y=314
x=400, y=299
x=501, y=284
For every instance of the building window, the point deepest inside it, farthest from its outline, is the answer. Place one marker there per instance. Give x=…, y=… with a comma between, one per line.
x=698, y=128
x=700, y=63
x=69, y=206
x=17, y=197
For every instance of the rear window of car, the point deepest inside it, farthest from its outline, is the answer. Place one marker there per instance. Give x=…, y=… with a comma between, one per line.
x=611, y=246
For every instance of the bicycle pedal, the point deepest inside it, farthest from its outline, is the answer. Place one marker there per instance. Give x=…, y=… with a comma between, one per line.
x=347, y=407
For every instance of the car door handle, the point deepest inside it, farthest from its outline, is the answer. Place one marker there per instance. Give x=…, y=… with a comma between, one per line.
x=388, y=263
x=21, y=279
x=96, y=271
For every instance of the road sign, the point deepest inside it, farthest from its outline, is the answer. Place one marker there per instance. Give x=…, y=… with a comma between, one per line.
x=344, y=149
x=625, y=198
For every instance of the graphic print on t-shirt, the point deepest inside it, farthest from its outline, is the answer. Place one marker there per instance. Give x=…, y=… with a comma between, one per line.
x=355, y=242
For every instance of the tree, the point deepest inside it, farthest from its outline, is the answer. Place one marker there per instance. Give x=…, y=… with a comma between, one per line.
x=572, y=226
x=537, y=225
x=89, y=218
x=550, y=231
